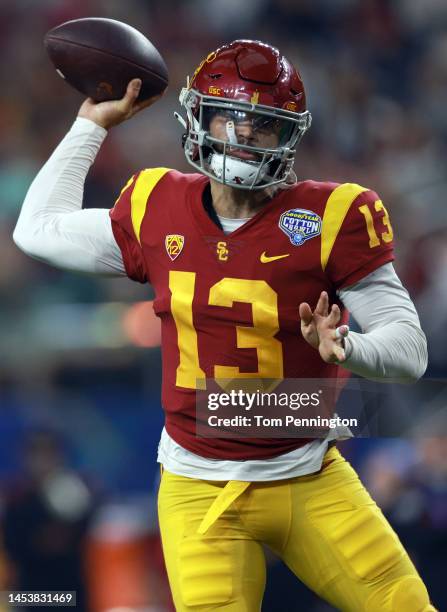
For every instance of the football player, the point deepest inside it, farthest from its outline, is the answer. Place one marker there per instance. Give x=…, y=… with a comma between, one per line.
x=236, y=253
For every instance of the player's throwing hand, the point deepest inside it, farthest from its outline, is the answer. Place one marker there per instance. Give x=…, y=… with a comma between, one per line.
x=108, y=114
x=319, y=329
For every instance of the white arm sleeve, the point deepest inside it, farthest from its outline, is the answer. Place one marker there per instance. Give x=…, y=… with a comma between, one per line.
x=52, y=225
x=392, y=347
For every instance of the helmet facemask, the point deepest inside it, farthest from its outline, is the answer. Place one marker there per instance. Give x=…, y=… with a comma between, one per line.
x=237, y=143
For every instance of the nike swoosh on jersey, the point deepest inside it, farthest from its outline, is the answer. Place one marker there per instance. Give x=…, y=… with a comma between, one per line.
x=266, y=259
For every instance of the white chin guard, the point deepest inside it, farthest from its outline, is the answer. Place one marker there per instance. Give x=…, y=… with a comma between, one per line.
x=237, y=171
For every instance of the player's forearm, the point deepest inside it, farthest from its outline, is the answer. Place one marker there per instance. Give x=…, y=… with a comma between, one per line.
x=59, y=185
x=392, y=347
x=52, y=226
x=396, y=352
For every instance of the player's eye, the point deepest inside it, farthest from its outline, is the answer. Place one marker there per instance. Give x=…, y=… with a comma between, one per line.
x=264, y=124
x=260, y=124
x=216, y=115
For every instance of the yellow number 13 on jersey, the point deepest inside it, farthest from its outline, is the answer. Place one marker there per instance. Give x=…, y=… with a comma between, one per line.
x=386, y=236
x=260, y=336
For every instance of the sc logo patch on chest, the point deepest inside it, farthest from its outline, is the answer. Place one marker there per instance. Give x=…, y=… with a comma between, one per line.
x=300, y=225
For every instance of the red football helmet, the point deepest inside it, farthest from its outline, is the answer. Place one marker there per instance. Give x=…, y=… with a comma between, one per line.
x=246, y=113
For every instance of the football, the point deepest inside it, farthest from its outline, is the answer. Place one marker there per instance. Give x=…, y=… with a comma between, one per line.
x=98, y=57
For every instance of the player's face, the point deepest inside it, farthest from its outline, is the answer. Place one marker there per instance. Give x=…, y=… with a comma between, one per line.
x=246, y=129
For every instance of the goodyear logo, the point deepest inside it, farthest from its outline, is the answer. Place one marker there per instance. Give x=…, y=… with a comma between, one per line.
x=300, y=225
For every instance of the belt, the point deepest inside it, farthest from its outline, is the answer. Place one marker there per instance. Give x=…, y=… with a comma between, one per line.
x=231, y=491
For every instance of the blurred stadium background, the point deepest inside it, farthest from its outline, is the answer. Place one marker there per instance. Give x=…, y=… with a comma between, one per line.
x=79, y=376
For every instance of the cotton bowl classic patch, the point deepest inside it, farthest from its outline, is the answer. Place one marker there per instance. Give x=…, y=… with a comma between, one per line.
x=300, y=225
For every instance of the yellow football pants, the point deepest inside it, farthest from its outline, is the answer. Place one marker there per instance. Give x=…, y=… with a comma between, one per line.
x=325, y=527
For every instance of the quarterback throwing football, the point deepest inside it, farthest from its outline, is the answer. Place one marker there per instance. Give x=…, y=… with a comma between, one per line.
x=237, y=252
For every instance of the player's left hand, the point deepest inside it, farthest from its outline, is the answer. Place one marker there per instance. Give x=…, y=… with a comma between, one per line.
x=319, y=329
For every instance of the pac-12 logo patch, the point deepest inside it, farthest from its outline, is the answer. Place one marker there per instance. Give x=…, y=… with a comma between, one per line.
x=300, y=225
x=174, y=245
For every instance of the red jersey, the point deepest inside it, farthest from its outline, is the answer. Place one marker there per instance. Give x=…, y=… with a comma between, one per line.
x=229, y=304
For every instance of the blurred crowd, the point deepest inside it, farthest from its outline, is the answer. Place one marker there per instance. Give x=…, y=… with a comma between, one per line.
x=72, y=363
